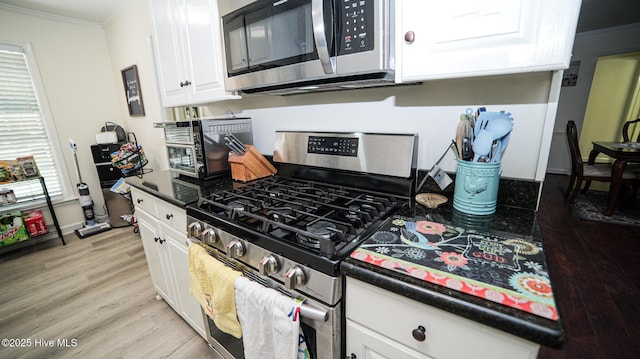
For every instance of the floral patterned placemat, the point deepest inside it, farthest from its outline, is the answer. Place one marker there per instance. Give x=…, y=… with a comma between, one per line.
x=509, y=271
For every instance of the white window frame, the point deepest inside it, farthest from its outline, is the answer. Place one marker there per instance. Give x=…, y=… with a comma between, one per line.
x=50, y=130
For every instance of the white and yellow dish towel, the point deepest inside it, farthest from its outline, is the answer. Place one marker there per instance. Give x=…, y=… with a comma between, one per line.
x=212, y=284
x=270, y=322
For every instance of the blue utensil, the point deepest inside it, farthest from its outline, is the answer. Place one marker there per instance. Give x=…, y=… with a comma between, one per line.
x=500, y=125
x=503, y=144
x=482, y=145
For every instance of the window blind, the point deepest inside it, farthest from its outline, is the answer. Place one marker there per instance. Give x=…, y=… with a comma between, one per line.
x=23, y=131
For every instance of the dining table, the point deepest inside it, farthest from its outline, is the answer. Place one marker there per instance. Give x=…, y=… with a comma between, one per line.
x=623, y=153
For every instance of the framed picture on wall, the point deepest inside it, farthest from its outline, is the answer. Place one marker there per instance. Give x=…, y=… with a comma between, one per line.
x=132, y=91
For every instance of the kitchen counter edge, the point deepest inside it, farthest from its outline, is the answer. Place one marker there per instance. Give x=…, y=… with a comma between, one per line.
x=527, y=326
x=150, y=181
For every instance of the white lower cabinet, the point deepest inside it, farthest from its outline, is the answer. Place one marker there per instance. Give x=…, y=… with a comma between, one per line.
x=382, y=324
x=189, y=309
x=162, y=230
x=156, y=252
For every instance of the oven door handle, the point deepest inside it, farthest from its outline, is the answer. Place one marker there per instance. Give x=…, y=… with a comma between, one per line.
x=314, y=313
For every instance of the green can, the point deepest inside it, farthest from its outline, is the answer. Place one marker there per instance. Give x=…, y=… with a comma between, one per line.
x=476, y=187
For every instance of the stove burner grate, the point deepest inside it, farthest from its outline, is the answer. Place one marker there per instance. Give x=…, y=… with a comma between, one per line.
x=317, y=216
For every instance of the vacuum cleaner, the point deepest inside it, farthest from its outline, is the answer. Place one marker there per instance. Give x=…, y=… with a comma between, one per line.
x=90, y=226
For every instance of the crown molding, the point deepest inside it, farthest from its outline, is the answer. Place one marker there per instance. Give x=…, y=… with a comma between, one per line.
x=48, y=16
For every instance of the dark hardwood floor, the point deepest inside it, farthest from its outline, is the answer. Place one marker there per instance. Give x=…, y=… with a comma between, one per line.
x=596, y=281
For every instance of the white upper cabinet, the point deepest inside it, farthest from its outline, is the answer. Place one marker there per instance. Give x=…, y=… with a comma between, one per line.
x=187, y=48
x=463, y=38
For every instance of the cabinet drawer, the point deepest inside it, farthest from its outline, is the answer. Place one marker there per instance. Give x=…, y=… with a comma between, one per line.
x=172, y=215
x=144, y=201
x=447, y=335
x=364, y=343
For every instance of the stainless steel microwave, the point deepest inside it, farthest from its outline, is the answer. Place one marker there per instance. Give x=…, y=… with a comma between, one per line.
x=198, y=149
x=297, y=46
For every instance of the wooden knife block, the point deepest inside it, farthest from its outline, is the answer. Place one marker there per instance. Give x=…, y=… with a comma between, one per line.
x=252, y=165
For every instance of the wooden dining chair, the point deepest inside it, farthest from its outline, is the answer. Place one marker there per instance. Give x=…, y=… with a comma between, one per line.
x=581, y=171
x=626, y=134
x=626, y=137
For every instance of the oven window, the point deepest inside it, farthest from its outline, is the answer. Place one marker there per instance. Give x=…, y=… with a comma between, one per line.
x=182, y=158
x=234, y=346
x=228, y=342
x=310, y=336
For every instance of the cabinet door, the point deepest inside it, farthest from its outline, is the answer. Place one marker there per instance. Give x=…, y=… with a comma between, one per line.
x=166, y=16
x=189, y=307
x=203, y=46
x=188, y=51
x=483, y=37
x=156, y=255
x=367, y=344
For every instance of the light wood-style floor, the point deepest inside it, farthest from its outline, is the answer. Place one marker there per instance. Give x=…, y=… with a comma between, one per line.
x=96, y=294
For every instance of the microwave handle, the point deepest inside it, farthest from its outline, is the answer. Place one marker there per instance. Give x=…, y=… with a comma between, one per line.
x=319, y=34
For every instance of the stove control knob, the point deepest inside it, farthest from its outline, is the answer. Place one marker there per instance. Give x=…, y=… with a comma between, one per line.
x=209, y=236
x=194, y=230
x=268, y=265
x=294, y=278
x=235, y=249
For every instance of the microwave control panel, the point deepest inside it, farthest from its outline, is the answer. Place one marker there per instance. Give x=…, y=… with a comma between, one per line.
x=355, y=29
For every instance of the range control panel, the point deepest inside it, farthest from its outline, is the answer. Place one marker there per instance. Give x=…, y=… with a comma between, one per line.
x=339, y=146
x=355, y=29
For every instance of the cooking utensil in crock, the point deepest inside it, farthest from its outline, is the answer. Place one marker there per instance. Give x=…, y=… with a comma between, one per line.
x=481, y=122
x=500, y=125
x=497, y=157
x=460, y=137
x=482, y=145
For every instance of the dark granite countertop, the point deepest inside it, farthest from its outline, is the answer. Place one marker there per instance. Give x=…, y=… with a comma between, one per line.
x=177, y=190
x=508, y=221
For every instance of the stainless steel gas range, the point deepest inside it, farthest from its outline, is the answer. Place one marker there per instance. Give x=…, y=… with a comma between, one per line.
x=291, y=231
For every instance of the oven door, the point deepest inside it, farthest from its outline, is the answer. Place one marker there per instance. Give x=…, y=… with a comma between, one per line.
x=321, y=324
x=183, y=159
x=229, y=347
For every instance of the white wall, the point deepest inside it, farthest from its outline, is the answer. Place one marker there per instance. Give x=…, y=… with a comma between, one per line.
x=573, y=100
x=128, y=37
x=432, y=110
x=75, y=67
